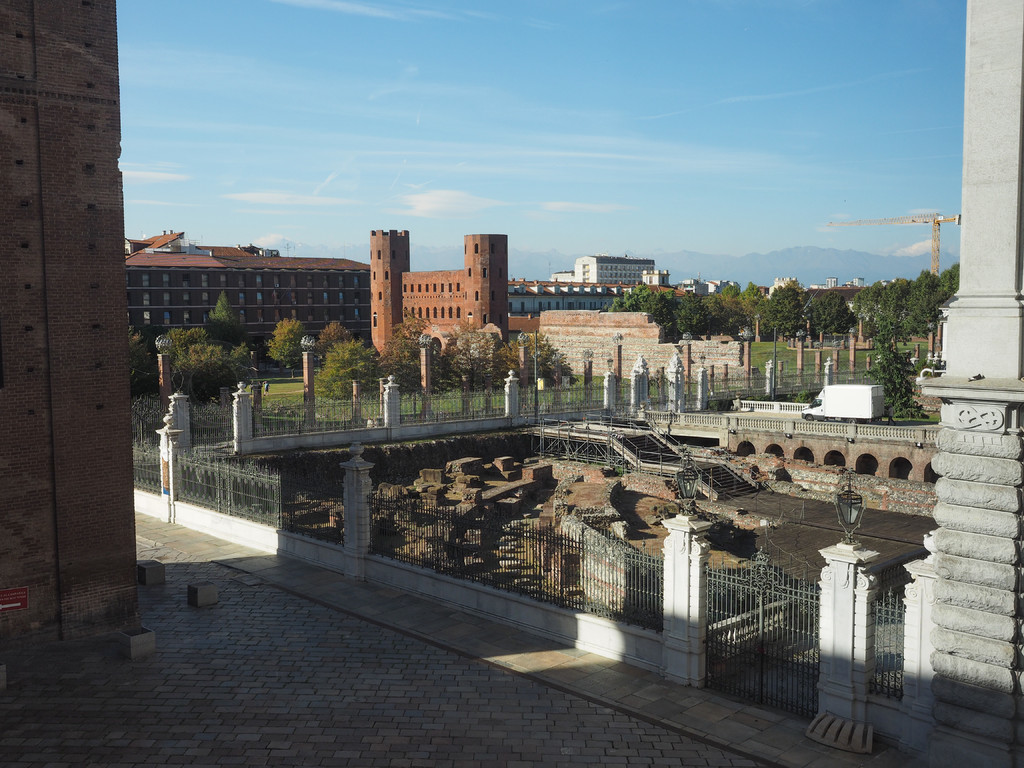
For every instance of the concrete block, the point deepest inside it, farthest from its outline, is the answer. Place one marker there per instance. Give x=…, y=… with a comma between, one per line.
x=202, y=594
x=150, y=572
x=137, y=643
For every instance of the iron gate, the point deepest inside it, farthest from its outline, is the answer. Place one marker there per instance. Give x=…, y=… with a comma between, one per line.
x=762, y=635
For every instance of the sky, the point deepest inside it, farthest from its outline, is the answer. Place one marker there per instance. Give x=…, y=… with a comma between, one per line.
x=710, y=126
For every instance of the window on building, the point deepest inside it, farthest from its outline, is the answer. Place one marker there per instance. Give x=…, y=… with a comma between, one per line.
x=476, y=247
x=470, y=271
x=295, y=314
x=206, y=317
x=206, y=298
x=355, y=281
x=145, y=280
x=186, y=297
x=309, y=281
x=386, y=273
x=325, y=301
x=186, y=280
x=259, y=297
x=145, y=298
x=223, y=281
x=241, y=315
x=241, y=297
x=259, y=315
x=186, y=317
x=167, y=298
x=241, y=281
x=204, y=281
x=458, y=312
x=356, y=313
x=485, y=272
x=380, y=296
x=341, y=297
x=458, y=287
x=166, y=278
x=476, y=295
x=167, y=317
x=449, y=313
x=259, y=281
x=145, y=318
x=309, y=297
x=374, y=319
x=435, y=313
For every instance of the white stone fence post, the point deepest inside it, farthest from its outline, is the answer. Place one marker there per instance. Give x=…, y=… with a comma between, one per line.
x=241, y=419
x=703, y=389
x=685, y=600
x=609, y=392
x=639, y=384
x=919, y=597
x=511, y=396
x=392, y=414
x=358, y=488
x=676, y=384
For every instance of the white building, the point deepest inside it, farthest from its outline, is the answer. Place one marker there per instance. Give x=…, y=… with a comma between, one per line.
x=602, y=268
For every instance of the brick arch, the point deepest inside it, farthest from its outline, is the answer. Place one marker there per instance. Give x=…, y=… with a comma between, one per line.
x=803, y=453
x=900, y=468
x=866, y=464
x=774, y=449
x=834, y=459
x=745, y=448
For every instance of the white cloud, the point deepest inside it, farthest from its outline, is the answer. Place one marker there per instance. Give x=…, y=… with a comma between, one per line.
x=151, y=177
x=444, y=204
x=286, y=198
x=915, y=249
x=268, y=240
x=566, y=207
x=339, y=6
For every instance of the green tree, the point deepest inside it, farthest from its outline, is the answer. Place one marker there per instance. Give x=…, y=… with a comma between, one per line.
x=347, y=361
x=468, y=354
x=830, y=313
x=692, y=315
x=753, y=302
x=725, y=313
x=892, y=368
x=202, y=366
x=660, y=305
x=223, y=323
x=508, y=357
x=285, y=345
x=784, y=310
x=332, y=333
x=400, y=356
x=142, y=366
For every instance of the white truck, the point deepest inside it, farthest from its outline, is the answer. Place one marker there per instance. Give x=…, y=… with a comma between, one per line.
x=847, y=402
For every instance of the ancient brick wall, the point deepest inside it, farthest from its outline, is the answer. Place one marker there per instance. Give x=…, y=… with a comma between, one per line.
x=573, y=332
x=65, y=464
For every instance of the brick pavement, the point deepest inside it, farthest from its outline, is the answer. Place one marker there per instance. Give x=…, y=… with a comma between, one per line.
x=296, y=665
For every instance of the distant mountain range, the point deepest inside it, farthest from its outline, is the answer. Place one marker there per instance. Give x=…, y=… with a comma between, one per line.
x=808, y=264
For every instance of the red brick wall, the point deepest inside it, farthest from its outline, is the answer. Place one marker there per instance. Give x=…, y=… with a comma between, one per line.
x=65, y=463
x=389, y=258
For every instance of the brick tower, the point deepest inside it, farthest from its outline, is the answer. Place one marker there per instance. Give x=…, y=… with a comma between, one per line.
x=389, y=258
x=487, y=280
x=67, y=553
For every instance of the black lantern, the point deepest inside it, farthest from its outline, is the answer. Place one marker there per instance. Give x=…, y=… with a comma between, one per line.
x=687, y=477
x=850, y=509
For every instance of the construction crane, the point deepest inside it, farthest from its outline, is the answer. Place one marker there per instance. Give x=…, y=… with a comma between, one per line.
x=935, y=219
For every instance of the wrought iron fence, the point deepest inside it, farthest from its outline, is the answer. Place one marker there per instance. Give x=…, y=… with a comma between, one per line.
x=452, y=406
x=210, y=425
x=890, y=625
x=147, y=418
x=526, y=556
x=289, y=417
x=146, y=467
x=312, y=502
x=762, y=635
x=243, y=489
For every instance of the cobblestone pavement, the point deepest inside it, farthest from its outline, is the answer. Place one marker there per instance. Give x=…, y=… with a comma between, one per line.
x=266, y=677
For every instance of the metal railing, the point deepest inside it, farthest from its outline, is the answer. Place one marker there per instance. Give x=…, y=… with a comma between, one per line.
x=240, y=489
x=146, y=467
x=574, y=569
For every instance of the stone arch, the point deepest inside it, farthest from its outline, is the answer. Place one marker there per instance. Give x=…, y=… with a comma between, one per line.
x=866, y=464
x=745, y=448
x=803, y=453
x=930, y=475
x=900, y=468
x=775, y=450
x=834, y=459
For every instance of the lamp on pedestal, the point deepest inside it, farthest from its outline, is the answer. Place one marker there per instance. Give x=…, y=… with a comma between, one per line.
x=849, y=509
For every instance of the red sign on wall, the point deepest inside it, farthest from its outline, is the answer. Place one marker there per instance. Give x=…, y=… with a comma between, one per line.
x=15, y=599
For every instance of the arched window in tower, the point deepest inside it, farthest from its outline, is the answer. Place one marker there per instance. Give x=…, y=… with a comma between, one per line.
x=385, y=274
x=449, y=313
x=378, y=254
x=485, y=272
x=477, y=296
x=374, y=319
x=476, y=247
x=380, y=295
x=435, y=313
x=458, y=312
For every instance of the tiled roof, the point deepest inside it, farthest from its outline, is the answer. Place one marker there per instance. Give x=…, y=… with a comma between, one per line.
x=246, y=261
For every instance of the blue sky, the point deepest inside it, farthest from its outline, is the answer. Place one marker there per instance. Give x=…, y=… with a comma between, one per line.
x=714, y=126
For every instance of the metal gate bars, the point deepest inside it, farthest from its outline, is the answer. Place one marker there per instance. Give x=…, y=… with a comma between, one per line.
x=762, y=635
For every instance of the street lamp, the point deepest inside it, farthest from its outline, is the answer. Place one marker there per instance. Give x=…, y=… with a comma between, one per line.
x=308, y=343
x=163, y=343
x=687, y=476
x=849, y=509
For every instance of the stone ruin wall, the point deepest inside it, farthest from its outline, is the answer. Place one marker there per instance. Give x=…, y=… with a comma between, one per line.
x=574, y=331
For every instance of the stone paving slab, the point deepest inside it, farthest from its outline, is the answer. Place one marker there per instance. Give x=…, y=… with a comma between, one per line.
x=345, y=673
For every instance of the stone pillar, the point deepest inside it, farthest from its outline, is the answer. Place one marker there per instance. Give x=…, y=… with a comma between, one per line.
x=800, y=358
x=853, y=353
x=392, y=410
x=241, y=419
x=357, y=402
x=757, y=328
x=168, y=454
x=163, y=368
x=847, y=644
x=524, y=371
x=182, y=419
x=685, y=606
x=511, y=396
x=919, y=597
x=639, y=378
x=860, y=329
x=257, y=397
x=769, y=378
x=357, y=512
x=702, y=389
x=676, y=385
x=747, y=348
x=830, y=373
x=588, y=374
x=979, y=705
x=817, y=364
x=618, y=359
x=308, y=393
x=426, y=366
x=610, y=386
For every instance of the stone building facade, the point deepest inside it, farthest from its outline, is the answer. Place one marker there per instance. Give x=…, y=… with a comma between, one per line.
x=67, y=556
x=475, y=296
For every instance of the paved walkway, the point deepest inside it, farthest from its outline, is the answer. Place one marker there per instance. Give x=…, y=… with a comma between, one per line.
x=300, y=666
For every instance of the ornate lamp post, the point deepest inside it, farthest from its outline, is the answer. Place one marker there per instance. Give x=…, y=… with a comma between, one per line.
x=426, y=343
x=308, y=344
x=801, y=334
x=687, y=478
x=849, y=509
